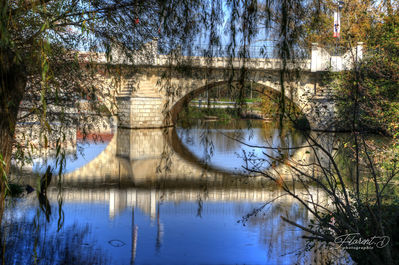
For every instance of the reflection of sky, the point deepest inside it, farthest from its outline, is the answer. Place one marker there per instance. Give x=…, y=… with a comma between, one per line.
x=214, y=146
x=85, y=152
x=215, y=237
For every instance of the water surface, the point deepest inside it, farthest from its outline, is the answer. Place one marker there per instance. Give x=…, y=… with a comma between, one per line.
x=150, y=197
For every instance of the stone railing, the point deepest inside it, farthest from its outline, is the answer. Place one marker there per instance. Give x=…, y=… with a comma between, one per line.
x=321, y=60
x=148, y=56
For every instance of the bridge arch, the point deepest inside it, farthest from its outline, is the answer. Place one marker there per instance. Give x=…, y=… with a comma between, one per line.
x=156, y=101
x=178, y=104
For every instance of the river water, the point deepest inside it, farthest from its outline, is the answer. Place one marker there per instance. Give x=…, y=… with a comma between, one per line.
x=177, y=196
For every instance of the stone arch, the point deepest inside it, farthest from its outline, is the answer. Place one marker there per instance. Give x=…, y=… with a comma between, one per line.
x=178, y=104
x=145, y=109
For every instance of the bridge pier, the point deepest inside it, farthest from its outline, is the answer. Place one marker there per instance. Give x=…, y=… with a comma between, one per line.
x=140, y=144
x=322, y=115
x=140, y=112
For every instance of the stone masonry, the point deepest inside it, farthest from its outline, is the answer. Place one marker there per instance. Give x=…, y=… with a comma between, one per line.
x=156, y=93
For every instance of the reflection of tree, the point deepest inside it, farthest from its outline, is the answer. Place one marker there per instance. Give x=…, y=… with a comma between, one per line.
x=158, y=242
x=274, y=234
x=359, y=206
x=224, y=144
x=217, y=140
x=29, y=244
x=273, y=229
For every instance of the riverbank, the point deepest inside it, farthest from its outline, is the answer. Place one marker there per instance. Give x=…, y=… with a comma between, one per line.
x=223, y=114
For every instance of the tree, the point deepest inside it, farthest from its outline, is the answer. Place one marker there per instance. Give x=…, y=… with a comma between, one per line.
x=357, y=17
x=41, y=40
x=360, y=201
x=371, y=91
x=41, y=65
x=41, y=45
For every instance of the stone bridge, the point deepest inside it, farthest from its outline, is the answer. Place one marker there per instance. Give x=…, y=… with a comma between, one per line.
x=155, y=87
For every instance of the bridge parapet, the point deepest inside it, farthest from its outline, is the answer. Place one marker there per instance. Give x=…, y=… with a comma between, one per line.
x=236, y=63
x=149, y=56
x=322, y=60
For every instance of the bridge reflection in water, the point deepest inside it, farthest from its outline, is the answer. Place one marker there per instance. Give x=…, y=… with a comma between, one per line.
x=148, y=157
x=168, y=207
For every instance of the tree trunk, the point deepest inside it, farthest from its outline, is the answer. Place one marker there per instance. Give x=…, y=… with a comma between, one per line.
x=12, y=87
